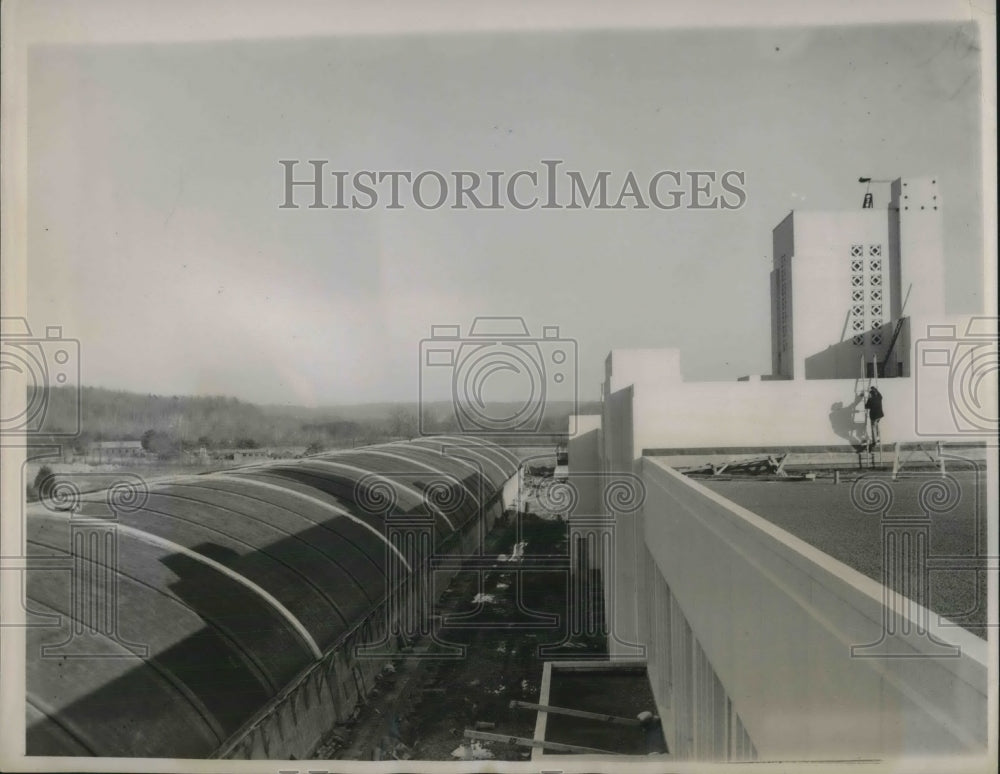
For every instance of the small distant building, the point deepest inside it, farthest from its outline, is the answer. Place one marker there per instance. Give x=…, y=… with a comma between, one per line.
x=242, y=455
x=199, y=456
x=259, y=453
x=115, y=451
x=288, y=452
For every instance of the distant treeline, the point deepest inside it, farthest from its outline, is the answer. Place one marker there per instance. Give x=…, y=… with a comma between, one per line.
x=191, y=422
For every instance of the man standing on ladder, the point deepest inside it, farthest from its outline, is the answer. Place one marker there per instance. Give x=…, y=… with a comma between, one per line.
x=875, y=413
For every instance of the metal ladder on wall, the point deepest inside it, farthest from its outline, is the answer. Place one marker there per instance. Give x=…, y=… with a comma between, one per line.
x=874, y=450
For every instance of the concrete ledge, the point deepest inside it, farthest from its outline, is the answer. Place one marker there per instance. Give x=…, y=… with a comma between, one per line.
x=845, y=448
x=777, y=619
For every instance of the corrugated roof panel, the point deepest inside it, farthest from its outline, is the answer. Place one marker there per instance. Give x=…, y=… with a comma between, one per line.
x=438, y=489
x=472, y=469
x=234, y=581
x=251, y=548
x=44, y=733
x=372, y=493
x=364, y=533
x=496, y=465
x=121, y=703
x=261, y=639
x=438, y=469
x=358, y=570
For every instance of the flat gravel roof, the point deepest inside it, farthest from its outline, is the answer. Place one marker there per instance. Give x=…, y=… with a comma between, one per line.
x=836, y=519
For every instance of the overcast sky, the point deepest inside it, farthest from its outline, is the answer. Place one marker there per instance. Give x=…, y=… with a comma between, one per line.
x=155, y=234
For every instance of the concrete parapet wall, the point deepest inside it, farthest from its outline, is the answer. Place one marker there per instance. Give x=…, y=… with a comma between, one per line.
x=817, y=412
x=648, y=405
x=776, y=620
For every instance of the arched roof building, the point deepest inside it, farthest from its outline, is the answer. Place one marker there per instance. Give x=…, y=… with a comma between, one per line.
x=169, y=618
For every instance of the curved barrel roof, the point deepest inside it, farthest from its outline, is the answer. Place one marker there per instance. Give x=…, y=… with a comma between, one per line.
x=229, y=584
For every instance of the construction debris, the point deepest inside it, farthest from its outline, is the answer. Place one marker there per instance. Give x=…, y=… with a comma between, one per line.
x=768, y=464
x=526, y=742
x=575, y=713
x=472, y=752
x=516, y=555
x=436, y=699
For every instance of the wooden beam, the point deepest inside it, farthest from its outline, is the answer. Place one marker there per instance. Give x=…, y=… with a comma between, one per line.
x=525, y=742
x=575, y=713
x=597, y=665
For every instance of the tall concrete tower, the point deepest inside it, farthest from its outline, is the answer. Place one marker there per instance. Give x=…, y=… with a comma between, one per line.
x=841, y=280
x=916, y=247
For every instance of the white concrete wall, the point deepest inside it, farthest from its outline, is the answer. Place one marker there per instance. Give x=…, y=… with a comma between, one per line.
x=618, y=458
x=920, y=245
x=617, y=439
x=821, y=278
x=584, y=460
x=776, y=619
x=782, y=326
x=812, y=250
x=781, y=413
x=632, y=366
x=649, y=406
x=814, y=247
